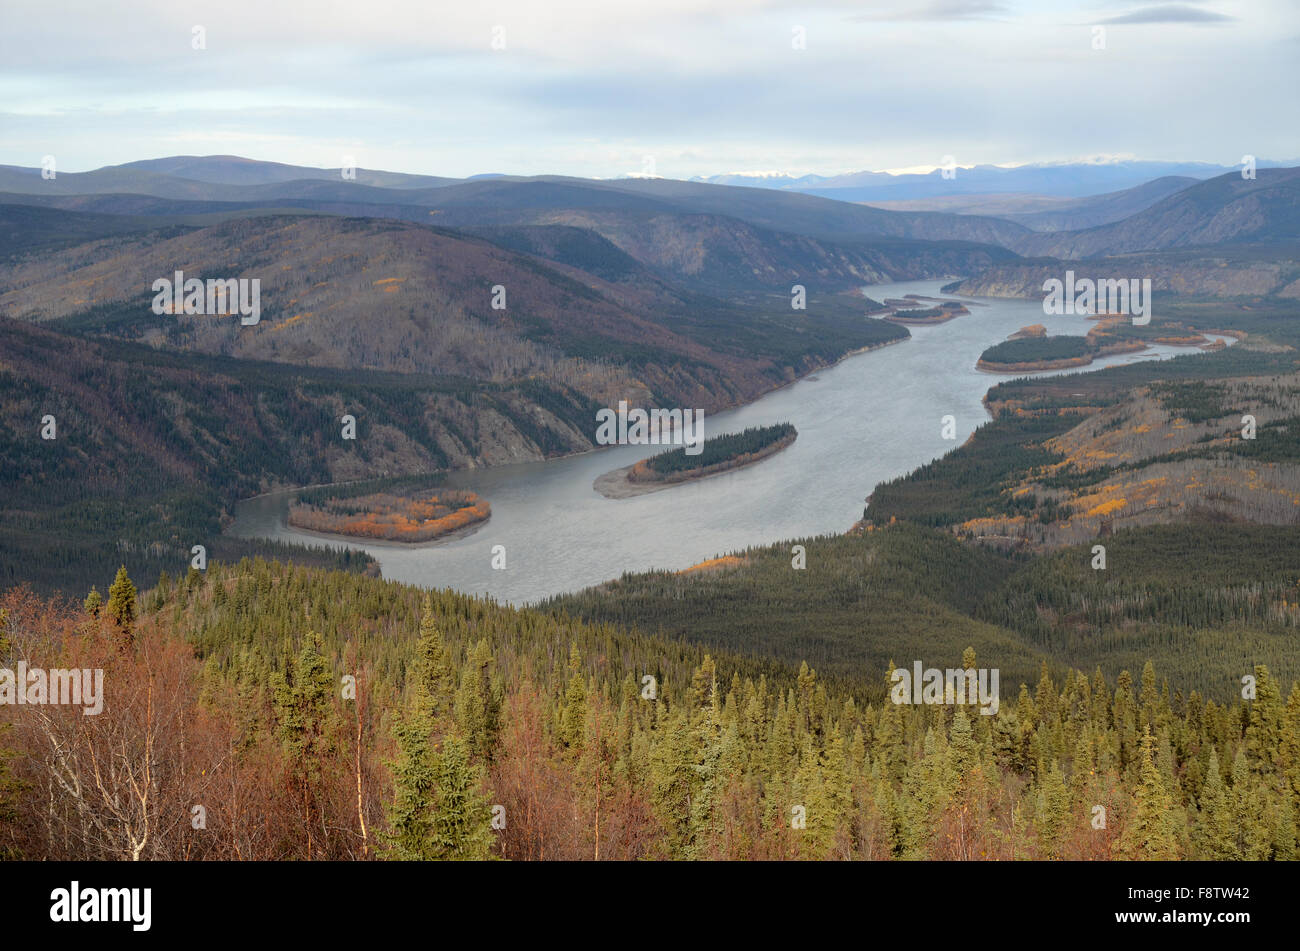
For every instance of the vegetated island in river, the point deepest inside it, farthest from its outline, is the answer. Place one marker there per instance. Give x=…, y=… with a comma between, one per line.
x=413, y=515
x=718, y=454
x=1029, y=349
x=945, y=311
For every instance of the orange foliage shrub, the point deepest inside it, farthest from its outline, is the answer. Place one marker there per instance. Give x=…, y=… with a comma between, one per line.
x=393, y=517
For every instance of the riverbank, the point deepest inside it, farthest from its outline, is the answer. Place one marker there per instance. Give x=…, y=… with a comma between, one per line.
x=356, y=541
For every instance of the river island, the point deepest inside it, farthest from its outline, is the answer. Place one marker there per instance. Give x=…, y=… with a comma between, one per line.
x=719, y=454
x=413, y=515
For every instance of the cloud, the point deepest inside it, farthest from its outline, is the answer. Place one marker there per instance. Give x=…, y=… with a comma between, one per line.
x=590, y=87
x=1170, y=13
x=940, y=10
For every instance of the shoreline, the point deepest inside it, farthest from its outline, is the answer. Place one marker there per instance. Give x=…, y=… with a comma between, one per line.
x=1036, y=366
x=362, y=541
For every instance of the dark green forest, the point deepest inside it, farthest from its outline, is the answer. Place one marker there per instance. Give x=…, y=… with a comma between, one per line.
x=721, y=449
x=1034, y=349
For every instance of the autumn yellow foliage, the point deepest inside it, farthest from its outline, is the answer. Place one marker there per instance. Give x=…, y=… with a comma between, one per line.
x=393, y=517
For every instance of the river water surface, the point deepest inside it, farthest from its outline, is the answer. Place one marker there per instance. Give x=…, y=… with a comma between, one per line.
x=870, y=418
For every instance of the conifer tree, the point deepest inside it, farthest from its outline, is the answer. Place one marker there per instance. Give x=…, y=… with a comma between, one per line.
x=672, y=783
x=1289, y=758
x=1214, y=836
x=304, y=719
x=410, y=835
x=462, y=817
x=437, y=810
x=435, y=683
x=1148, y=697
x=573, y=716
x=1254, y=838
x=1264, y=733
x=1153, y=833
x=121, y=606
x=478, y=703
x=964, y=750
x=1052, y=816
x=1027, y=720
x=1124, y=716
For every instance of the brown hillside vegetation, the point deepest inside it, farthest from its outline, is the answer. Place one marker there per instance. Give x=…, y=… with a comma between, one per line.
x=1166, y=453
x=393, y=296
x=346, y=293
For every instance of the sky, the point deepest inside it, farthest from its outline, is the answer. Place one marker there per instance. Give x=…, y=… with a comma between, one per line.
x=678, y=88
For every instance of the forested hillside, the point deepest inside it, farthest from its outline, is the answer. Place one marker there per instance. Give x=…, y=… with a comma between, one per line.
x=1226, y=209
x=323, y=715
x=202, y=432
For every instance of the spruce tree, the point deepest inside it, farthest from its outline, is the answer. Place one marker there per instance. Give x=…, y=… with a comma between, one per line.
x=462, y=819
x=121, y=606
x=1153, y=832
x=303, y=711
x=573, y=716
x=438, y=810
x=1249, y=822
x=673, y=779
x=415, y=788
x=478, y=703
x=1214, y=835
x=435, y=683
x=1289, y=758
x=304, y=719
x=1264, y=733
x=1052, y=816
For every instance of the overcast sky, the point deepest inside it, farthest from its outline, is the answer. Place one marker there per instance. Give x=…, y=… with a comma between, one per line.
x=593, y=87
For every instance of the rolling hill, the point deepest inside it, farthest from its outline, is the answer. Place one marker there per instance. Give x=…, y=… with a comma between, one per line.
x=1224, y=210
x=500, y=200
x=388, y=295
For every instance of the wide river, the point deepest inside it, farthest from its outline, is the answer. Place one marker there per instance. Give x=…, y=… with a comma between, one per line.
x=870, y=418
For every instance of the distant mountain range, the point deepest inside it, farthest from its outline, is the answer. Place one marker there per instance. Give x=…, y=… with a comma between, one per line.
x=672, y=239
x=481, y=201
x=1051, y=213
x=1073, y=180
